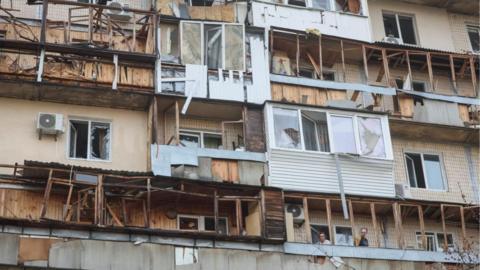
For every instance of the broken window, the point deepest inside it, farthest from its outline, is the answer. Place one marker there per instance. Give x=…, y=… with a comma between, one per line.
x=343, y=134
x=222, y=48
x=201, y=139
x=188, y=223
x=430, y=237
x=186, y=255
x=213, y=141
x=441, y=243
x=203, y=223
x=435, y=241
x=210, y=225
x=474, y=36
x=424, y=171
x=89, y=140
x=322, y=4
x=371, y=137
x=343, y=236
x=190, y=139
x=173, y=80
x=329, y=76
x=191, y=40
x=400, y=27
x=169, y=43
x=287, y=131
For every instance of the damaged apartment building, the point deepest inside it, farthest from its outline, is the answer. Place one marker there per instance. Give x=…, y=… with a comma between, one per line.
x=210, y=134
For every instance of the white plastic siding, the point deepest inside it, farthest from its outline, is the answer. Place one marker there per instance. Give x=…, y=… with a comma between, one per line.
x=316, y=172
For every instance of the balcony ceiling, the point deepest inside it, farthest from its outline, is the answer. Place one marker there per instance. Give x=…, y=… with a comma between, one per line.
x=469, y=7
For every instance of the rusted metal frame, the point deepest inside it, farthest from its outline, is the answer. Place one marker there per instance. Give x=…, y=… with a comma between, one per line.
x=444, y=227
x=352, y=219
x=46, y=195
x=329, y=220
x=320, y=56
x=375, y=224
x=474, y=75
x=422, y=226
x=307, y=220
x=430, y=71
x=344, y=70
x=453, y=75
x=297, y=56
x=238, y=214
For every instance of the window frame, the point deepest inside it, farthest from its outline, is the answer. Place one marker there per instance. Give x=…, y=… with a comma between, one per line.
x=200, y=133
x=89, y=143
x=477, y=28
x=323, y=225
x=201, y=222
x=438, y=246
x=202, y=42
x=397, y=21
x=272, y=144
x=442, y=170
x=335, y=238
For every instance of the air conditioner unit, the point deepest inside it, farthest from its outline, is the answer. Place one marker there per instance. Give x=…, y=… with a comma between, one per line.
x=50, y=123
x=297, y=212
x=403, y=191
x=392, y=40
x=119, y=15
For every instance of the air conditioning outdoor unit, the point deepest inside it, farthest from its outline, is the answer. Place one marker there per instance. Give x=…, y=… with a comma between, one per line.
x=392, y=40
x=297, y=212
x=119, y=15
x=50, y=123
x=403, y=191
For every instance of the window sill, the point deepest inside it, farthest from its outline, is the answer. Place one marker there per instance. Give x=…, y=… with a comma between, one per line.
x=427, y=189
x=91, y=160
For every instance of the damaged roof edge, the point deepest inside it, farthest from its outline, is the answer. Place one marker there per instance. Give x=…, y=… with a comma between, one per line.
x=332, y=85
x=455, y=99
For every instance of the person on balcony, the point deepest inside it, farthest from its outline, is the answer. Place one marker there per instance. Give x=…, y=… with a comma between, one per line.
x=362, y=241
x=322, y=239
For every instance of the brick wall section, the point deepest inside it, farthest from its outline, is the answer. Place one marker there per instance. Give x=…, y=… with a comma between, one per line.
x=458, y=24
x=455, y=164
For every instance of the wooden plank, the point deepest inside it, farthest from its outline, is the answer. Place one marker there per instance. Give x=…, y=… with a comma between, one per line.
x=430, y=71
x=444, y=227
x=67, y=204
x=149, y=202
x=329, y=220
x=307, y=220
x=215, y=210
x=385, y=66
x=238, y=214
x=422, y=226
x=365, y=62
x=46, y=196
x=320, y=56
x=262, y=214
x=114, y=216
x=177, y=123
x=344, y=70
x=2, y=203
x=452, y=73
x=397, y=226
x=315, y=67
x=462, y=220
x=355, y=95
x=352, y=219
x=297, y=58
x=155, y=121
x=473, y=74
x=409, y=70
x=375, y=224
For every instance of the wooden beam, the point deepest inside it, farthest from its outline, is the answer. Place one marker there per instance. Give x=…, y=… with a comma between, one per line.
x=263, y=213
x=365, y=62
x=149, y=202
x=397, y=224
x=177, y=123
x=462, y=220
x=297, y=58
x=99, y=208
x=329, y=220
x=473, y=74
x=452, y=71
x=344, y=70
x=409, y=69
x=2, y=203
x=307, y=220
x=46, y=195
x=155, y=121
x=422, y=226
x=355, y=95
x=430, y=71
x=385, y=66
x=352, y=220
x=375, y=224
x=444, y=227
x=238, y=214
x=114, y=216
x=320, y=56
x=67, y=204
x=215, y=210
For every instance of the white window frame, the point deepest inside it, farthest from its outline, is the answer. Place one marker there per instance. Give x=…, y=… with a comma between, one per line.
x=324, y=225
x=202, y=39
x=90, y=120
x=335, y=232
x=472, y=26
x=270, y=128
x=438, y=246
x=201, y=222
x=201, y=134
x=442, y=170
x=414, y=22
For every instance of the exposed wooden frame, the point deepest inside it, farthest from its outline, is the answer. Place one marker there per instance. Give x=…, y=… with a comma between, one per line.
x=422, y=226
x=365, y=62
x=407, y=55
x=329, y=220
x=430, y=71
x=238, y=214
x=46, y=195
x=308, y=231
x=297, y=56
x=444, y=227
x=344, y=70
x=473, y=74
x=452, y=72
x=177, y=123
x=352, y=220
x=375, y=224
x=320, y=56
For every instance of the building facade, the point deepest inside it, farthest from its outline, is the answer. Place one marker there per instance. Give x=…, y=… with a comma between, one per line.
x=294, y=134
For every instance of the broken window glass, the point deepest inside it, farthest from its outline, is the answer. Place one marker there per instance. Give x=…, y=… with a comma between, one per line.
x=213, y=46
x=190, y=139
x=100, y=140
x=343, y=135
x=400, y=26
x=234, y=47
x=191, y=40
x=287, y=131
x=300, y=3
x=309, y=134
x=441, y=242
x=169, y=43
x=371, y=137
x=186, y=255
x=210, y=225
x=78, y=139
x=343, y=236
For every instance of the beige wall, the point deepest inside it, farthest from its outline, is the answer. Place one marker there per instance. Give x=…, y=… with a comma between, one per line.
x=20, y=141
x=432, y=24
x=455, y=164
x=458, y=24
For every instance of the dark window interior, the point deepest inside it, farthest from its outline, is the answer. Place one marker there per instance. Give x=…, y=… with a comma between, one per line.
x=202, y=2
x=78, y=139
x=328, y=76
x=210, y=225
x=399, y=83
x=473, y=34
x=187, y=223
x=415, y=170
x=100, y=136
x=390, y=24
x=419, y=86
x=408, y=32
x=297, y=3
x=316, y=230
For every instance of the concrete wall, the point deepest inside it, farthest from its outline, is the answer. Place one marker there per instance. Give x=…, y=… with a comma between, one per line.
x=19, y=138
x=428, y=22
x=458, y=25
x=456, y=169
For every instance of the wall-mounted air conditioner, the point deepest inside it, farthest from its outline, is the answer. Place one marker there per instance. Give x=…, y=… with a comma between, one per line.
x=297, y=212
x=392, y=40
x=403, y=191
x=119, y=15
x=49, y=123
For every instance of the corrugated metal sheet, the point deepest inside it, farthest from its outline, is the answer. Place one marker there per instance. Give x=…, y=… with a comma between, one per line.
x=316, y=172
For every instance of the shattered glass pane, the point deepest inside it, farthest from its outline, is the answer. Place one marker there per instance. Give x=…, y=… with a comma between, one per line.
x=371, y=137
x=213, y=46
x=169, y=40
x=234, y=40
x=287, y=131
x=100, y=140
x=191, y=38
